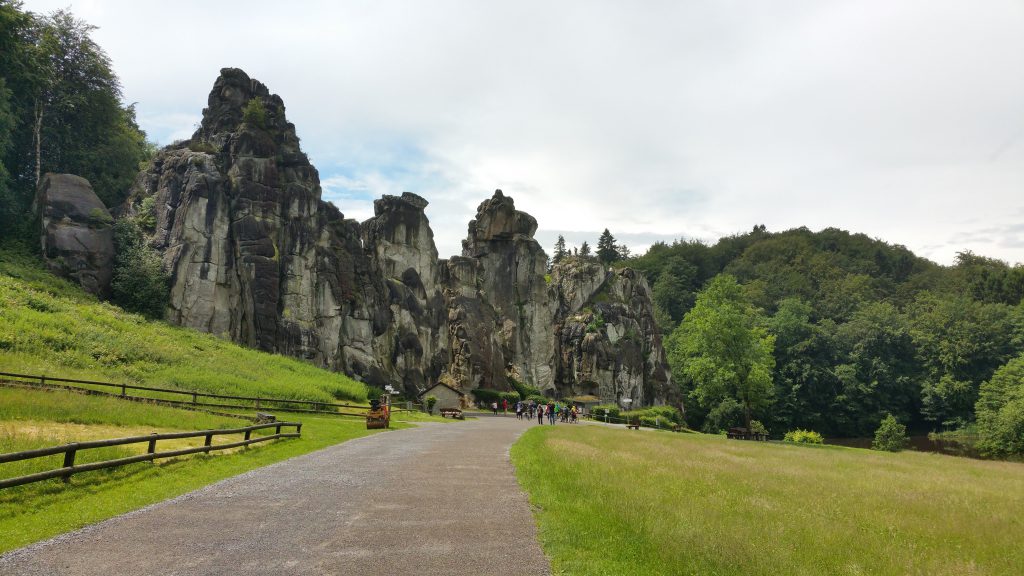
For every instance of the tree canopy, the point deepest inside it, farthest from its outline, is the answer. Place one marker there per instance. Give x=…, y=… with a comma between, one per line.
x=722, y=349
x=65, y=113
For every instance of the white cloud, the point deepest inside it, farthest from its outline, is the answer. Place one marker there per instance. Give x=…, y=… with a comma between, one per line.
x=901, y=119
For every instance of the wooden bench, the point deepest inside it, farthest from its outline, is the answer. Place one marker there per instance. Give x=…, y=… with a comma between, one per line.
x=452, y=413
x=633, y=425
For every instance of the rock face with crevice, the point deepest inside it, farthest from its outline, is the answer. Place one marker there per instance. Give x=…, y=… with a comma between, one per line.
x=255, y=255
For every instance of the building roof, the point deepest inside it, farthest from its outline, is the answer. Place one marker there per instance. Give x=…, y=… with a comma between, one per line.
x=459, y=392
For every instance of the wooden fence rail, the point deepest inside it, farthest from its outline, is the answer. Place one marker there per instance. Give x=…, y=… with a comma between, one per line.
x=70, y=450
x=192, y=397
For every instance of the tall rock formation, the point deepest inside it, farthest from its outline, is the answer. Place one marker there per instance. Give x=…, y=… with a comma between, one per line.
x=255, y=255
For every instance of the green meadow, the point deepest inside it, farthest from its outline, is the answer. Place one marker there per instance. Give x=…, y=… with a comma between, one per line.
x=615, y=502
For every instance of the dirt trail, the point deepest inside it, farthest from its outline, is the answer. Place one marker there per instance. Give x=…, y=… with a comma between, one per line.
x=440, y=499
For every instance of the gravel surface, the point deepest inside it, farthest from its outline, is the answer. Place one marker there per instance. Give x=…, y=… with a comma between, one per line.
x=438, y=499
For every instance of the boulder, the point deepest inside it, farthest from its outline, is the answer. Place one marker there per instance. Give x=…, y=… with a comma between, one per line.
x=76, y=231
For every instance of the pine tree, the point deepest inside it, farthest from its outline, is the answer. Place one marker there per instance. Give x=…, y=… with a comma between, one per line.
x=585, y=249
x=560, y=251
x=607, y=252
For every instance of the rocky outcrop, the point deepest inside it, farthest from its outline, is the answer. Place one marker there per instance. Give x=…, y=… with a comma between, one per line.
x=256, y=256
x=76, y=231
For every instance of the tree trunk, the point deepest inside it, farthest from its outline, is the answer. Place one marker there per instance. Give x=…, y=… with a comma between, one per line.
x=746, y=412
x=38, y=133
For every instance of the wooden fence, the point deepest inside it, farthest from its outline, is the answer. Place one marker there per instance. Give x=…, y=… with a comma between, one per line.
x=70, y=450
x=195, y=399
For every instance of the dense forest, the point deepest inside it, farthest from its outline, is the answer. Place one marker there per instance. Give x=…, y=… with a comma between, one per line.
x=859, y=328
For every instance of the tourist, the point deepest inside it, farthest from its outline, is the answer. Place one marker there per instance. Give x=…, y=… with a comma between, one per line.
x=504, y=405
x=519, y=410
x=540, y=414
x=552, y=412
x=494, y=407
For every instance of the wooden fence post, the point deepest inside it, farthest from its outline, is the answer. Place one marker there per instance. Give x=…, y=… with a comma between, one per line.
x=209, y=440
x=152, y=445
x=123, y=390
x=298, y=429
x=69, y=461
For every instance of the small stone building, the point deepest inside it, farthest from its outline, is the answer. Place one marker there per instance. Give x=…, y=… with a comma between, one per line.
x=447, y=397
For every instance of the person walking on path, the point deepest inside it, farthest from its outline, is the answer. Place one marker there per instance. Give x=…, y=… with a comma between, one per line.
x=504, y=405
x=552, y=412
x=494, y=407
x=540, y=414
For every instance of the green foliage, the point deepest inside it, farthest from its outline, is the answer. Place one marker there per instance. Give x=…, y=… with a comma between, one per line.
x=607, y=249
x=584, y=250
x=803, y=437
x=610, y=410
x=560, y=253
x=756, y=427
x=255, y=113
x=722, y=349
x=1000, y=411
x=523, y=390
x=139, y=283
x=203, y=146
x=65, y=97
x=890, y=436
x=431, y=402
x=596, y=323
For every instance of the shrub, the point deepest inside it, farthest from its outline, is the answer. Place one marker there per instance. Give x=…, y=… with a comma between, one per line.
x=431, y=402
x=756, y=427
x=610, y=410
x=485, y=395
x=139, y=283
x=1000, y=410
x=512, y=397
x=890, y=436
x=255, y=113
x=524, y=390
x=803, y=437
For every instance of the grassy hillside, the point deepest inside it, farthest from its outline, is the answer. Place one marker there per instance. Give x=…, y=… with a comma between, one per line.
x=613, y=502
x=50, y=326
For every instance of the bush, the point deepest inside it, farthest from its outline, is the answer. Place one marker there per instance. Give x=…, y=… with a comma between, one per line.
x=756, y=427
x=486, y=396
x=431, y=402
x=611, y=410
x=524, y=391
x=512, y=397
x=803, y=437
x=255, y=113
x=139, y=283
x=1000, y=410
x=890, y=436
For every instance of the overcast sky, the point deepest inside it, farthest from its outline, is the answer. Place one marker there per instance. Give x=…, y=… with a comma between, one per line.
x=658, y=120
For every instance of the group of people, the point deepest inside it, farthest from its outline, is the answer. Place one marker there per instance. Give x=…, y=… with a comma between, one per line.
x=554, y=411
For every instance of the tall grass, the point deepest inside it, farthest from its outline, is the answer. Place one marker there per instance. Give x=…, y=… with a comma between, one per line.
x=612, y=502
x=50, y=327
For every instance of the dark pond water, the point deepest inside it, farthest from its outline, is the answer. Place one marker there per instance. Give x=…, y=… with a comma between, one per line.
x=919, y=443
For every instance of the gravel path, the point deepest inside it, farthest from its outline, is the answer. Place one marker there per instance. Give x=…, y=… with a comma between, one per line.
x=438, y=499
